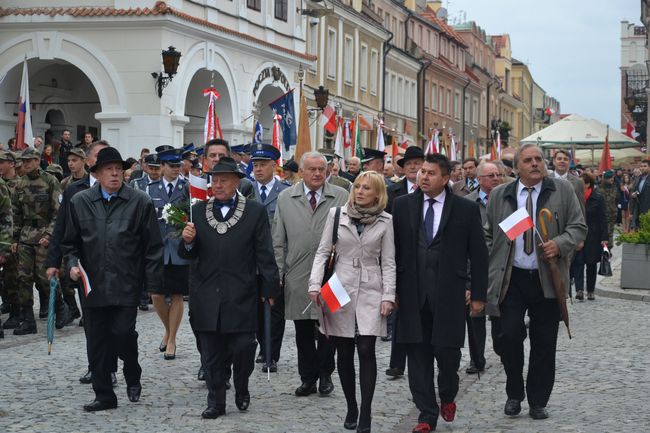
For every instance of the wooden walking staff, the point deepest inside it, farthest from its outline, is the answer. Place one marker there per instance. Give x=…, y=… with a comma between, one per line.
x=546, y=217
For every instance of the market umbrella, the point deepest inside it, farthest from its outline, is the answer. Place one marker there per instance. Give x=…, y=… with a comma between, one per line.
x=619, y=156
x=556, y=276
x=51, y=314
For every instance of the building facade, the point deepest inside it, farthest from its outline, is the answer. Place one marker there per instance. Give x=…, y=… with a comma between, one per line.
x=634, y=77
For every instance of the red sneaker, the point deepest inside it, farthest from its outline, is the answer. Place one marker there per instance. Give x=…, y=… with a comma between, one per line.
x=423, y=427
x=448, y=411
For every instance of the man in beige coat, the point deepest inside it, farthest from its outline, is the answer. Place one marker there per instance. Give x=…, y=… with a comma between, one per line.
x=520, y=279
x=300, y=217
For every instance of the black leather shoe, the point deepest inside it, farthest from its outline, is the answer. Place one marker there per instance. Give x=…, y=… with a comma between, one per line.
x=133, y=392
x=143, y=306
x=260, y=359
x=201, y=374
x=538, y=412
x=113, y=379
x=513, y=407
x=350, y=422
x=169, y=356
x=86, y=378
x=100, y=405
x=306, y=389
x=473, y=369
x=162, y=347
x=395, y=372
x=242, y=402
x=273, y=367
x=212, y=413
x=5, y=308
x=325, y=386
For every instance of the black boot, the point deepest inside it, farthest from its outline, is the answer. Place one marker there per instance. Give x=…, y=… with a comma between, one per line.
x=44, y=302
x=28, y=324
x=63, y=316
x=71, y=301
x=13, y=321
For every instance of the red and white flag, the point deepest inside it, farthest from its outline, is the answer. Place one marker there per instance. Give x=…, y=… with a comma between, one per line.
x=24, y=133
x=84, y=280
x=347, y=135
x=517, y=223
x=381, y=144
x=328, y=119
x=549, y=111
x=432, y=146
x=212, y=127
x=452, y=147
x=630, y=131
x=198, y=187
x=334, y=294
x=338, y=144
x=277, y=136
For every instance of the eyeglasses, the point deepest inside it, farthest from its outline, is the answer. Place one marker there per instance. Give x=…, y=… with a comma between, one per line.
x=493, y=175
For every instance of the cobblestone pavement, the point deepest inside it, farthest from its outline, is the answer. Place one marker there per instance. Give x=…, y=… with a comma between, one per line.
x=601, y=386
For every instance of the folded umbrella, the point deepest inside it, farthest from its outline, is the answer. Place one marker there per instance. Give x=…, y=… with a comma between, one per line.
x=51, y=313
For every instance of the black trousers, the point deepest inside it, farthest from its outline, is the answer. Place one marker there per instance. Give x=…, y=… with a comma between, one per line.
x=397, y=350
x=577, y=270
x=476, y=334
x=277, y=327
x=110, y=333
x=314, y=360
x=217, y=349
x=592, y=271
x=420, y=357
x=525, y=294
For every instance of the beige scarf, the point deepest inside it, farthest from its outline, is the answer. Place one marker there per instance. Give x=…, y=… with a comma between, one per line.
x=365, y=215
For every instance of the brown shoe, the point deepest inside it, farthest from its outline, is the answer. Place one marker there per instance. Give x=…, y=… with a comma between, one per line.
x=591, y=296
x=580, y=295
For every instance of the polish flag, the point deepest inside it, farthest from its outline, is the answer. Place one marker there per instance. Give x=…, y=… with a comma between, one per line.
x=328, y=119
x=630, y=131
x=334, y=294
x=549, y=111
x=517, y=223
x=432, y=146
x=84, y=280
x=198, y=187
x=381, y=144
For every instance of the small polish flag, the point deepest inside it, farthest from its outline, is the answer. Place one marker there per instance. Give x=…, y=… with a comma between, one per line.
x=328, y=119
x=334, y=294
x=198, y=187
x=517, y=223
x=84, y=280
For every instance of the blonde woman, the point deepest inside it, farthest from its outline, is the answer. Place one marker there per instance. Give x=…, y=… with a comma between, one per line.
x=366, y=268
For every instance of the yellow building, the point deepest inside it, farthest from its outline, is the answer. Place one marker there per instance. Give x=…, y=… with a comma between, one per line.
x=509, y=103
x=522, y=89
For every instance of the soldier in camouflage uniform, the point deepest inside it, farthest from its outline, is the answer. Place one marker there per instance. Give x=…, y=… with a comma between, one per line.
x=10, y=267
x=6, y=229
x=610, y=193
x=35, y=206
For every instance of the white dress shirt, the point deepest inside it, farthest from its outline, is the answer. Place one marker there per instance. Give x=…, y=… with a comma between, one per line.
x=410, y=187
x=438, y=204
x=91, y=180
x=166, y=183
x=564, y=176
x=225, y=209
x=269, y=186
x=523, y=260
x=319, y=192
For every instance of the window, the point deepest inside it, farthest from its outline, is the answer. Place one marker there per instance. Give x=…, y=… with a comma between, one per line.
x=374, y=70
x=456, y=105
x=312, y=38
x=426, y=41
x=426, y=95
x=348, y=60
x=387, y=91
x=434, y=100
x=254, y=4
x=400, y=90
x=363, y=68
x=441, y=99
x=448, y=111
x=281, y=9
x=434, y=45
x=467, y=109
x=475, y=112
x=331, y=53
x=413, y=99
x=393, y=92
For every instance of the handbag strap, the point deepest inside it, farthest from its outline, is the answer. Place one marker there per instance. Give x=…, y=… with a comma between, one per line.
x=335, y=230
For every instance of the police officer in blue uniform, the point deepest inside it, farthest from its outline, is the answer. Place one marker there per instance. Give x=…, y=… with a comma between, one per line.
x=152, y=173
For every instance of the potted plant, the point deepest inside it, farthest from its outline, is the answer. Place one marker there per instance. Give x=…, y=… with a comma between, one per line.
x=635, y=272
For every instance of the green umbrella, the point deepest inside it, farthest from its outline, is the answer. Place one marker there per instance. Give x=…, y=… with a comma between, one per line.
x=51, y=314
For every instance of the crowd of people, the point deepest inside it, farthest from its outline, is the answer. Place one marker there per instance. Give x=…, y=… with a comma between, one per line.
x=415, y=243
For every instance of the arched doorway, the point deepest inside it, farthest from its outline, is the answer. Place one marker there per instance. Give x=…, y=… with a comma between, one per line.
x=61, y=96
x=267, y=95
x=196, y=106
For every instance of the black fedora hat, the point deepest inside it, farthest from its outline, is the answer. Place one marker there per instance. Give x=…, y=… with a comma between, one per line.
x=412, y=152
x=226, y=165
x=108, y=155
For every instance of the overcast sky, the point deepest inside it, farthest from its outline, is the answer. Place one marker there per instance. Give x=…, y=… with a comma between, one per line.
x=572, y=47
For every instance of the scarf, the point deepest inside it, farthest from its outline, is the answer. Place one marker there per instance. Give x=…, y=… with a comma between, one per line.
x=364, y=215
x=588, y=192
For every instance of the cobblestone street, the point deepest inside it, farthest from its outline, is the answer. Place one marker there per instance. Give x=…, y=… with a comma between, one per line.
x=602, y=379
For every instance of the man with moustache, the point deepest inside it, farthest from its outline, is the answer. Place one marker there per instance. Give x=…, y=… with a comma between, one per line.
x=214, y=150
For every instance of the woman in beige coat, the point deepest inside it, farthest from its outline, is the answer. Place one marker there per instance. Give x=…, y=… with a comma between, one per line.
x=366, y=268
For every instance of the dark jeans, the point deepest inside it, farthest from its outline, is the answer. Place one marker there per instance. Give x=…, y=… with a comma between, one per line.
x=420, y=358
x=314, y=361
x=476, y=334
x=110, y=332
x=217, y=349
x=525, y=294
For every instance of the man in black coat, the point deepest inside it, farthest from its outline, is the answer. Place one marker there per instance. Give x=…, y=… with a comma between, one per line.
x=230, y=239
x=113, y=243
x=436, y=234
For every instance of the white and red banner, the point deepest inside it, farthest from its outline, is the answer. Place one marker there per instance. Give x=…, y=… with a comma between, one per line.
x=630, y=131
x=24, y=133
x=432, y=146
x=381, y=144
x=517, y=223
x=334, y=294
x=338, y=145
x=327, y=120
x=84, y=280
x=198, y=187
x=452, y=147
x=277, y=136
x=212, y=127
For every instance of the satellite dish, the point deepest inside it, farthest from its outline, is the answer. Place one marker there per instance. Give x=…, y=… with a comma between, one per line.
x=442, y=13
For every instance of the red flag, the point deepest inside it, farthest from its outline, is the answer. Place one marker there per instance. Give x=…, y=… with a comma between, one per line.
x=212, y=127
x=328, y=119
x=630, y=131
x=605, y=158
x=394, y=144
x=198, y=187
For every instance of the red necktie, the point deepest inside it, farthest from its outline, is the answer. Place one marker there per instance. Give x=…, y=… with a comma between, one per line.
x=312, y=200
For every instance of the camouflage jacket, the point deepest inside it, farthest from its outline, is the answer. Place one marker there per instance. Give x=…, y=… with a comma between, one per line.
x=35, y=202
x=6, y=219
x=610, y=194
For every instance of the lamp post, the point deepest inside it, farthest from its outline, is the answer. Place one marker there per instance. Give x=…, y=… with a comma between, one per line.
x=322, y=96
x=171, y=58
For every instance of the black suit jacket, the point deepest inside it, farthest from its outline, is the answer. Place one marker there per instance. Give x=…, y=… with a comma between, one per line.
x=224, y=286
x=397, y=189
x=461, y=239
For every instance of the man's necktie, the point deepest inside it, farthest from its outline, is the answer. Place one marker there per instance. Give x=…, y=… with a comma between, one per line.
x=428, y=220
x=471, y=185
x=528, y=235
x=263, y=193
x=228, y=203
x=414, y=187
x=312, y=200
x=170, y=190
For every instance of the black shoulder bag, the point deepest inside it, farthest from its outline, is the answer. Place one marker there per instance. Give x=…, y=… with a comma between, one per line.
x=331, y=260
